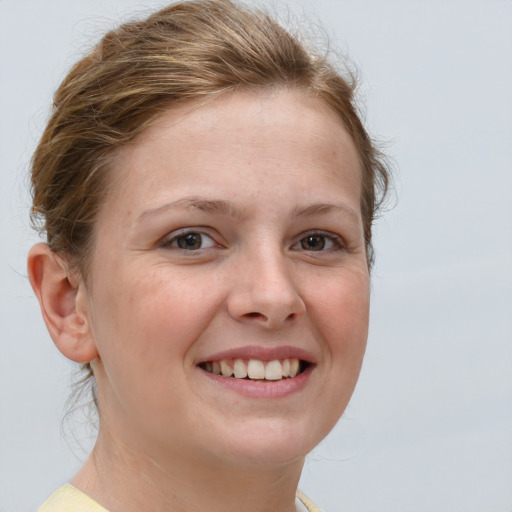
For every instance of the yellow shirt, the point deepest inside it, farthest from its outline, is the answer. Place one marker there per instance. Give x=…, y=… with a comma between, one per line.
x=69, y=499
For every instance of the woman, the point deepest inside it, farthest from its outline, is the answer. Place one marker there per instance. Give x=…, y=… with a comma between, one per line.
x=207, y=191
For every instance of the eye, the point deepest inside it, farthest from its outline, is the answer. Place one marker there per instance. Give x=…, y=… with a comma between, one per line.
x=318, y=242
x=189, y=241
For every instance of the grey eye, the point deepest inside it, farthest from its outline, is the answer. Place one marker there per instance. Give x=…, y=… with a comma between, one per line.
x=314, y=242
x=191, y=241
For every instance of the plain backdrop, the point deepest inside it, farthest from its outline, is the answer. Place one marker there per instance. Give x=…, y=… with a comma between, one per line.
x=430, y=425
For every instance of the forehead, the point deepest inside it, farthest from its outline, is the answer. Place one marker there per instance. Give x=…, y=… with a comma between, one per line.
x=246, y=135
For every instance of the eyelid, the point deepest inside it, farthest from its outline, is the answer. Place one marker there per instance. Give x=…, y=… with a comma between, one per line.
x=337, y=241
x=168, y=240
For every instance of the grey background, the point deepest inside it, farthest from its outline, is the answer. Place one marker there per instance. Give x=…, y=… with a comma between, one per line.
x=430, y=425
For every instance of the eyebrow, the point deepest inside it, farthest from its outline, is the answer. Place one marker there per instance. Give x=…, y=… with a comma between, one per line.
x=223, y=207
x=325, y=208
x=218, y=206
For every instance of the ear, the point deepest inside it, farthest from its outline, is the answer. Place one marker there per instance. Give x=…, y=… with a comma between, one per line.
x=62, y=296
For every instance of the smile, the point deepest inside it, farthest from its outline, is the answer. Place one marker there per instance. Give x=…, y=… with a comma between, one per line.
x=255, y=369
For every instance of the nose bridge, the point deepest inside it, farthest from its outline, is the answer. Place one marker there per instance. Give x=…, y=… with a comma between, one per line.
x=272, y=273
x=265, y=289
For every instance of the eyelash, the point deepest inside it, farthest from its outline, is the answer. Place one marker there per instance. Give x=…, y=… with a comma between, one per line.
x=172, y=241
x=334, y=240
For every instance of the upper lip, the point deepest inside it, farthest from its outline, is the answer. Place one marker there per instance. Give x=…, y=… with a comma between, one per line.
x=261, y=353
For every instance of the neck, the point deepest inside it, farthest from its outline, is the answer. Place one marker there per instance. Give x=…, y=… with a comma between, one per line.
x=122, y=479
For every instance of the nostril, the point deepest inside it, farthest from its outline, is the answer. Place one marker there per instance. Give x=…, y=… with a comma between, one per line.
x=257, y=315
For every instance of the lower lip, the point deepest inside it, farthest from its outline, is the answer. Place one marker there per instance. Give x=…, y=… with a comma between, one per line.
x=262, y=388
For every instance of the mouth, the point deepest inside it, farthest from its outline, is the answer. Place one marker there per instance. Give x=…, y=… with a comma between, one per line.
x=256, y=369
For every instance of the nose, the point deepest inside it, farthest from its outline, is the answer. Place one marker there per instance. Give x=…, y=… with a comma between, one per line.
x=265, y=291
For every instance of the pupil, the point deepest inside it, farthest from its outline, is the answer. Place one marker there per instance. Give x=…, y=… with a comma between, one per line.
x=313, y=242
x=190, y=241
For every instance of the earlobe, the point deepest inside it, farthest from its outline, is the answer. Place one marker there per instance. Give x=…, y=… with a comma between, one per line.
x=61, y=296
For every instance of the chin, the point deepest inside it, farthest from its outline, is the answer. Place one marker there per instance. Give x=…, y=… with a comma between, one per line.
x=269, y=443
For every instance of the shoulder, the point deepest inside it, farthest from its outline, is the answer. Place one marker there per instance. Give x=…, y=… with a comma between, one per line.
x=68, y=498
x=308, y=505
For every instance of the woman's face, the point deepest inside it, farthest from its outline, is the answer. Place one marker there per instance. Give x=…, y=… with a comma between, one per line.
x=232, y=241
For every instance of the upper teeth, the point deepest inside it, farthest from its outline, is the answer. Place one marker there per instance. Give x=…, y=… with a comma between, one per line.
x=254, y=368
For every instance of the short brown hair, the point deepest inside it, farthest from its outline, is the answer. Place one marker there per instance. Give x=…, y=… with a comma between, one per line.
x=189, y=50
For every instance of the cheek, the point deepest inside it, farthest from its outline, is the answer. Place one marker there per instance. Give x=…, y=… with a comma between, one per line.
x=144, y=337
x=157, y=317
x=342, y=313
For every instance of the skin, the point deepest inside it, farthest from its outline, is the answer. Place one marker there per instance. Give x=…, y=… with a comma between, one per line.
x=253, y=175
